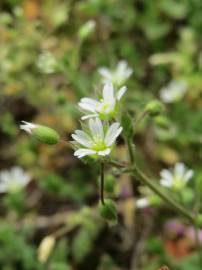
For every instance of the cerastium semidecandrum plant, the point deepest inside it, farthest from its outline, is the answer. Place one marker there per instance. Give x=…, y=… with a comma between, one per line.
x=97, y=139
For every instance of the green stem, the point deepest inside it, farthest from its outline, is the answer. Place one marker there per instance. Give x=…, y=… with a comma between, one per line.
x=102, y=183
x=130, y=150
x=140, y=117
x=177, y=207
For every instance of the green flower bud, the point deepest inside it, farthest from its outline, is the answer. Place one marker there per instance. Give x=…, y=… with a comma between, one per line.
x=109, y=183
x=154, y=108
x=108, y=210
x=86, y=29
x=155, y=200
x=41, y=133
x=162, y=121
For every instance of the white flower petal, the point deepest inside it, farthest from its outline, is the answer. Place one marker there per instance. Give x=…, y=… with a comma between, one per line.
x=167, y=178
x=96, y=129
x=88, y=116
x=18, y=176
x=84, y=152
x=3, y=188
x=14, y=177
x=27, y=126
x=88, y=104
x=142, y=203
x=104, y=152
x=82, y=138
x=108, y=93
x=179, y=170
x=106, y=73
x=123, y=72
x=173, y=92
x=121, y=92
x=112, y=133
x=188, y=175
x=166, y=183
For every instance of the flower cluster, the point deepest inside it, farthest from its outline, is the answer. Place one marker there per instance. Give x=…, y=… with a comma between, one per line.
x=99, y=135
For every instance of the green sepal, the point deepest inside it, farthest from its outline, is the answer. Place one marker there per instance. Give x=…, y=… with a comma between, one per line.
x=108, y=210
x=46, y=135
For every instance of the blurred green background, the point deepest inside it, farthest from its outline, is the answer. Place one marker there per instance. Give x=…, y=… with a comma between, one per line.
x=49, y=59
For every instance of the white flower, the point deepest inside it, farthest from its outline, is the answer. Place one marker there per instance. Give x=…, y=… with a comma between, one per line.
x=176, y=178
x=107, y=107
x=96, y=141
x=13, y=179
x=47, y=63
x=28, y=127
x=173, y=92
x=142, y=203
x=117, y=76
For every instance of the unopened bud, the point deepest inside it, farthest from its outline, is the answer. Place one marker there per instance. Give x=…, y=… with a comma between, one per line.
x=154, y=107
x=108, y=210
x=42, y=133
x=162, y=121
x=45, y=248
x=86, y=29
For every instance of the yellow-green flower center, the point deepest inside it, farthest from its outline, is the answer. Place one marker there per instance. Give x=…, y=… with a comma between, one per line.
x=99, y=146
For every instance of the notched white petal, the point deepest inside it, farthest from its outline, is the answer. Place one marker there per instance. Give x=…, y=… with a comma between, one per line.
x=108, y=93
x=112, y=133
x=88, y=104
x=27, y=126
x=82, y=138
x=105, y=72
x=188, y=175
x=121, y=92
x=88, y=116
x=82, y=152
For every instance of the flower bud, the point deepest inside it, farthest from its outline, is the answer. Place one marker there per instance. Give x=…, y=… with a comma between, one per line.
x=154, y=108
x=86, y=30
x=162, y=122
x=108, y=210
x=43, y=134
x=45, y=248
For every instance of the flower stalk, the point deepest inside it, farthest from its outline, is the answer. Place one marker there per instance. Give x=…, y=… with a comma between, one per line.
x=146, y=181
x=102, y=183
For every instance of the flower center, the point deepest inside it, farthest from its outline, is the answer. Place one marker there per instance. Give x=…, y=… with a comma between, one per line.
x=106, y=107
x=178, y=183
x=99, y=146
